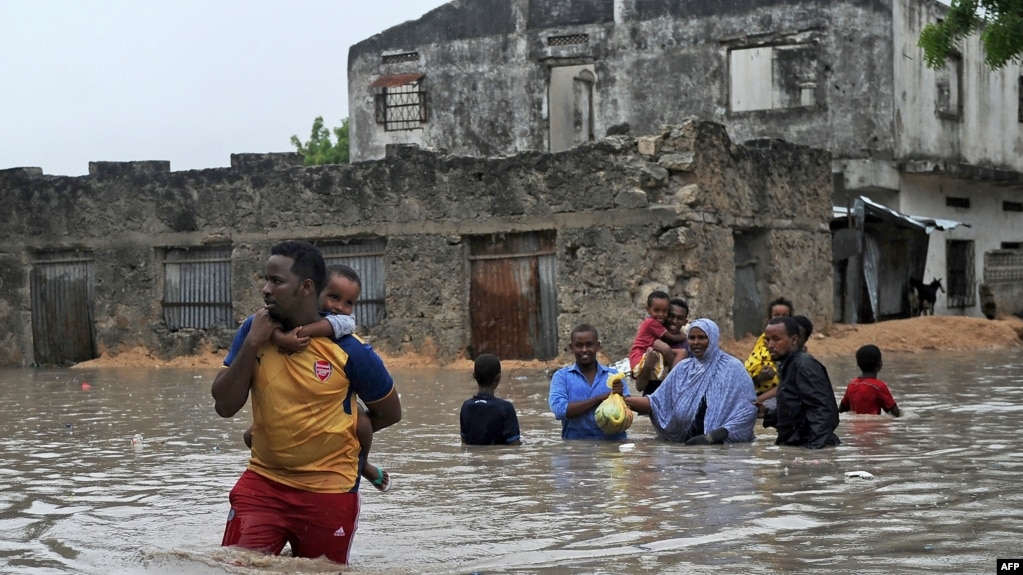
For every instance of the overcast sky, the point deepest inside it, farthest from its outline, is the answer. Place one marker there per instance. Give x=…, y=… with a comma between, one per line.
x=189, y=81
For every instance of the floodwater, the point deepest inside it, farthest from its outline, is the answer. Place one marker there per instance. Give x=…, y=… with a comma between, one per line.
x=946, y=494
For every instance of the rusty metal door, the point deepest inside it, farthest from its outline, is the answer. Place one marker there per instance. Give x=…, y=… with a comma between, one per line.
x=62, y=328
x=513, y=295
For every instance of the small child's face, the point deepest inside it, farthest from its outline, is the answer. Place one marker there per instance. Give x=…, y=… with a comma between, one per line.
x=677, y=317
x=340, y=295
x=658, y=309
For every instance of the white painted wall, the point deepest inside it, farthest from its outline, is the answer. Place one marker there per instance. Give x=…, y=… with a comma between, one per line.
x=989, y=224
x=988, y=132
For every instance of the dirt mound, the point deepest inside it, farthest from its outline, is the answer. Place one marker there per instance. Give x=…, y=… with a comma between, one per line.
x=931, y=333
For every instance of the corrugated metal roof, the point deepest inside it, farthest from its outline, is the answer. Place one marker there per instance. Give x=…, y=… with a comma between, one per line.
x=928, y=224
x=395, y=80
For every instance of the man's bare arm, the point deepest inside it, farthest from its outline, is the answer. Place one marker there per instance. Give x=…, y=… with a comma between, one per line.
x=231, y=386
x=385, y=412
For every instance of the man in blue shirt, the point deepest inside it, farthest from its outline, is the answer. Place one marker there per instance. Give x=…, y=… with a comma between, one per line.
x=577, y=390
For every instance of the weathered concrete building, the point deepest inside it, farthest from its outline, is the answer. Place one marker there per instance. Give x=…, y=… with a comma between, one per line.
x=457, y=254
x=494, y=77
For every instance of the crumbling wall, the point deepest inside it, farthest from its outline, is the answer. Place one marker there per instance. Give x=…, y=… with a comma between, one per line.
x=630, y=215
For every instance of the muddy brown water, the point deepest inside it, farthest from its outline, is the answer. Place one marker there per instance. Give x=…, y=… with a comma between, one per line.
x=946, y=494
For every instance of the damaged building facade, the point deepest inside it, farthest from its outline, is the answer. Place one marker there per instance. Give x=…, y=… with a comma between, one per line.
x=458, y=255
x=495, y=77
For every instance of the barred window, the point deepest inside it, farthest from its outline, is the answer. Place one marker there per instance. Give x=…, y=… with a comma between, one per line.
x=400, y=102
x=197, y=287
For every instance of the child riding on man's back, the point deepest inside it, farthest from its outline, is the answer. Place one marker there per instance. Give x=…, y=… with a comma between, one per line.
x=337, y=301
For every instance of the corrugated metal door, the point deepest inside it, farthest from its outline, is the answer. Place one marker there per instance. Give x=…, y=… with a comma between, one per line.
x=62, y=326
x=197, y=287
x=366, y=257
x=513, y=295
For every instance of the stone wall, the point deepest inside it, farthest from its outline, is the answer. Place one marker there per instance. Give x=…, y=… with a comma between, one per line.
x=630, y=215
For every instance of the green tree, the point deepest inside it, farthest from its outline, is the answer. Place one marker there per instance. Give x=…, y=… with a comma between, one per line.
x=1002, y=34
x=320, y=149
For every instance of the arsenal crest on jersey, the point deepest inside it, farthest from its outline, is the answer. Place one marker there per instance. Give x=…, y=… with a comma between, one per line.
x=322, y=369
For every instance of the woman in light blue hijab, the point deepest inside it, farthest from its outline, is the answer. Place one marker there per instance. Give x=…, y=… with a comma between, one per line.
x=707, y=398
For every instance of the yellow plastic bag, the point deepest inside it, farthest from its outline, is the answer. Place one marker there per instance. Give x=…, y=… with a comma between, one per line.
x=613, y=414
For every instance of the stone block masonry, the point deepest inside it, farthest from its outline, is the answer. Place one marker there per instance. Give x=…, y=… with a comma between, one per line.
x=623, y=216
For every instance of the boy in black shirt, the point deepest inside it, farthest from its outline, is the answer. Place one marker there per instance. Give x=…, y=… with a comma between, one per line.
x=485, y=419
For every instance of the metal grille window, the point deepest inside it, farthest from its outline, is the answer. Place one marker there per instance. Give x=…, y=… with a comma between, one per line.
x=400, y=102
x=960, y=267
x=568, y=40
x=399, y=58
x=197, y=287
x=366, y=257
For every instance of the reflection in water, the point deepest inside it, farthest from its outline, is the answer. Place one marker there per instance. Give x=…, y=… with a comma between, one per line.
x=78, y=497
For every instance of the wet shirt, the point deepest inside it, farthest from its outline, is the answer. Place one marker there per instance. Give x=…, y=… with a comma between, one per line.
x=304, y=424
x=868, y=396
x=568, y=386
x=807, y=413
x=649, y=331
x=489, y=420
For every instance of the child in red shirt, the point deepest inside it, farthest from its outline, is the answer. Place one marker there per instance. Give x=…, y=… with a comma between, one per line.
x=652, y=346
x=866, y=394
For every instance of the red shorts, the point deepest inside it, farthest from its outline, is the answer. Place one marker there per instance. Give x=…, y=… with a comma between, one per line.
x=265, y=515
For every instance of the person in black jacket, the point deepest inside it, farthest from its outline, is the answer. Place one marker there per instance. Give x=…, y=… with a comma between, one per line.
x=807, y=412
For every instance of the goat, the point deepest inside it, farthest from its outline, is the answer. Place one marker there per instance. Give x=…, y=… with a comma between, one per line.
x=913, y=298
x=926, y=294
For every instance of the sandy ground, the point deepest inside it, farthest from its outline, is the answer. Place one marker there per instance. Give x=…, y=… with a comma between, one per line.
x=934, y=333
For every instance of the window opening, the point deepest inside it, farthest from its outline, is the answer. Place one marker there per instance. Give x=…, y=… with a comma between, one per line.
x=401, y=107
x=773, y=77
x=403, y=57
x=961, y=273
x=948, y=102
x=568, y=39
